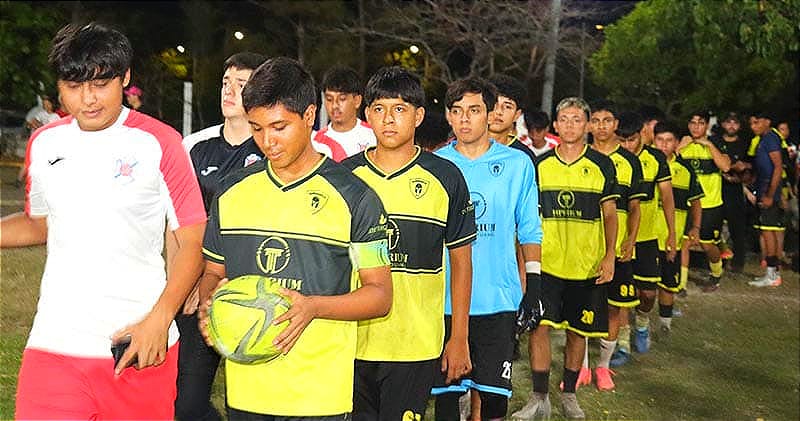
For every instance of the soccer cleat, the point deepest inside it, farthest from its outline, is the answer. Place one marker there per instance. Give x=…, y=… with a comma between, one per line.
x=620, y=357
x=570, y=408
x=537, y=408
x=602, y=376
x=641, y=340
x=676, y=312
x=711, y=285
x=766, y=281
x=726, y=254
x=584, y=378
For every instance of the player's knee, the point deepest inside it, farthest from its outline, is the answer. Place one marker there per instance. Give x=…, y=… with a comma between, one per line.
x=493, y=406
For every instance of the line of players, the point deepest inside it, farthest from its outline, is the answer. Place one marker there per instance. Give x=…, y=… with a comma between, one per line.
x=374, y=329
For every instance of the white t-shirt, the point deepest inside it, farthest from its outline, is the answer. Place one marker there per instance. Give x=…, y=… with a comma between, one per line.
x=107, y=196
x=345, y=144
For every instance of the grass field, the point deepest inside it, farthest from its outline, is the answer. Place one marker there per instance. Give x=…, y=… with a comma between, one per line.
x=734, y=355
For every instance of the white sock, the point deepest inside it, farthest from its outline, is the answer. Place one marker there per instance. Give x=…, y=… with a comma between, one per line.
x=586, y=352
x=606, y=349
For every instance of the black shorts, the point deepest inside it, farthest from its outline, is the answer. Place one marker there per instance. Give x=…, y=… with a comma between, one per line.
x=646, y=271
x=578, y=306
x=770, y=219
x=711, y=225
x=389, y=390
x=670, y=273
x=239, y=415
x=622, y=290
x=491, y=348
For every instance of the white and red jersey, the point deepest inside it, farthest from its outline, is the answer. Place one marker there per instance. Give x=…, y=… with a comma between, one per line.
x=107, y=196
x=345, y=144
x=551, y=141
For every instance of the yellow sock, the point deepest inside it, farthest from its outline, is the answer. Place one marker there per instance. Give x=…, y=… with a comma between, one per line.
x=716, y=268
x=684, y=276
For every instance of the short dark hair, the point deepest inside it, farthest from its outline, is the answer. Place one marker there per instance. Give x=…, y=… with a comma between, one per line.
x=244, y=61
x=650, y=113
x=536, y=119
x=666, y=127
x=342, y=79
x=92, y=51
x=705, y=115
x=762, y=114
x=510, y=87
x=394, y=82
x=471, y=85
x=604, y=105
x=433, y=131
x=280, y=80
x=629, y=123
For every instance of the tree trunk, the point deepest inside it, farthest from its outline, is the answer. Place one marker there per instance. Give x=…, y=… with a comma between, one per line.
x=300, y=31
x=550, y=65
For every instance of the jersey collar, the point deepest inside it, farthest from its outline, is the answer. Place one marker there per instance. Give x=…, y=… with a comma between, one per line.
x=289, y=186
x=397, y=172
x=555, y=152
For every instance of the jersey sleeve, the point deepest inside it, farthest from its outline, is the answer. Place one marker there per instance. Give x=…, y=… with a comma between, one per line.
x=610, y=175
x=186, y=202
x=460, y=229
x=695, y=190
x=526, y=211
x=369, y=244
x=35, y=204
x=637, y=188
x=212, y=240
x=663, y=173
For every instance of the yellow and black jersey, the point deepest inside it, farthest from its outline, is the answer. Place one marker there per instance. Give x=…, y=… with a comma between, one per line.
x=514, y=142
x=628, y=187
x=429, y=208
x=310, y=235
x=571, y=194
x=654, y=170
x=708, y=174
x=685, y=190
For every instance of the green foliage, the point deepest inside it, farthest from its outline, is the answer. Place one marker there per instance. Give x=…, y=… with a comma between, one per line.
x=699, y=54
x=25, y=33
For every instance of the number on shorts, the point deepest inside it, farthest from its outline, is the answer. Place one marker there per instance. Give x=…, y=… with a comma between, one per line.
x=627, y=291
x=587, y=317
x=506, y=374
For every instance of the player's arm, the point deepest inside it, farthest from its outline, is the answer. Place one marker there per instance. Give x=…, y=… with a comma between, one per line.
x=149, y=336
x=668, y=206
x=775, y=180
x=609, y=209
x=373, y=299
x=455, y=357
x=213, y=277
x=21, y=230
x=634, y=216
x=695, y=216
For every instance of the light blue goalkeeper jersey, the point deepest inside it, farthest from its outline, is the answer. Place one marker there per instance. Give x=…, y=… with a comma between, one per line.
x=502, y=186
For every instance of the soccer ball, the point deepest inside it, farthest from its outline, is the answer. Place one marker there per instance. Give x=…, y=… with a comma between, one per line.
x=240, y=319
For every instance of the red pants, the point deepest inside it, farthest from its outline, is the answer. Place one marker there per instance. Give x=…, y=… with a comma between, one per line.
x=53, y=386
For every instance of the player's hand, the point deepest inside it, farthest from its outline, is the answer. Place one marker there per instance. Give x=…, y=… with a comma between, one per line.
x=685, y=141
x=606, y=269
x=148, y=342
x=766, y=202
x=202, y=313
x=531, y=309
x=192, y=301
x=299, y=315
x=455, y=359
x=694, y=236
x=627, y=247
x=671, y=247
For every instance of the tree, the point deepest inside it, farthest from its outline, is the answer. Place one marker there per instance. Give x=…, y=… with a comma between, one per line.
x=25, y=34
x=688, y=55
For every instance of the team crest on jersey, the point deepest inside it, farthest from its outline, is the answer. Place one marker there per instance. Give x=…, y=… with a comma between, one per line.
x=250, y=159
x=317, y=201
x=418, y=187
x=695, y=163
x=124, y=169
x=585, y=171
x=273, y=255
x=496, y=168
x=479, y=202
x=566, y=199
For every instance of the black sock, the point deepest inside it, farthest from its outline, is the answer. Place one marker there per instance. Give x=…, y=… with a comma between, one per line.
x=570, y=380
x=541, y=381
x=665, y=310
x=772, y=261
